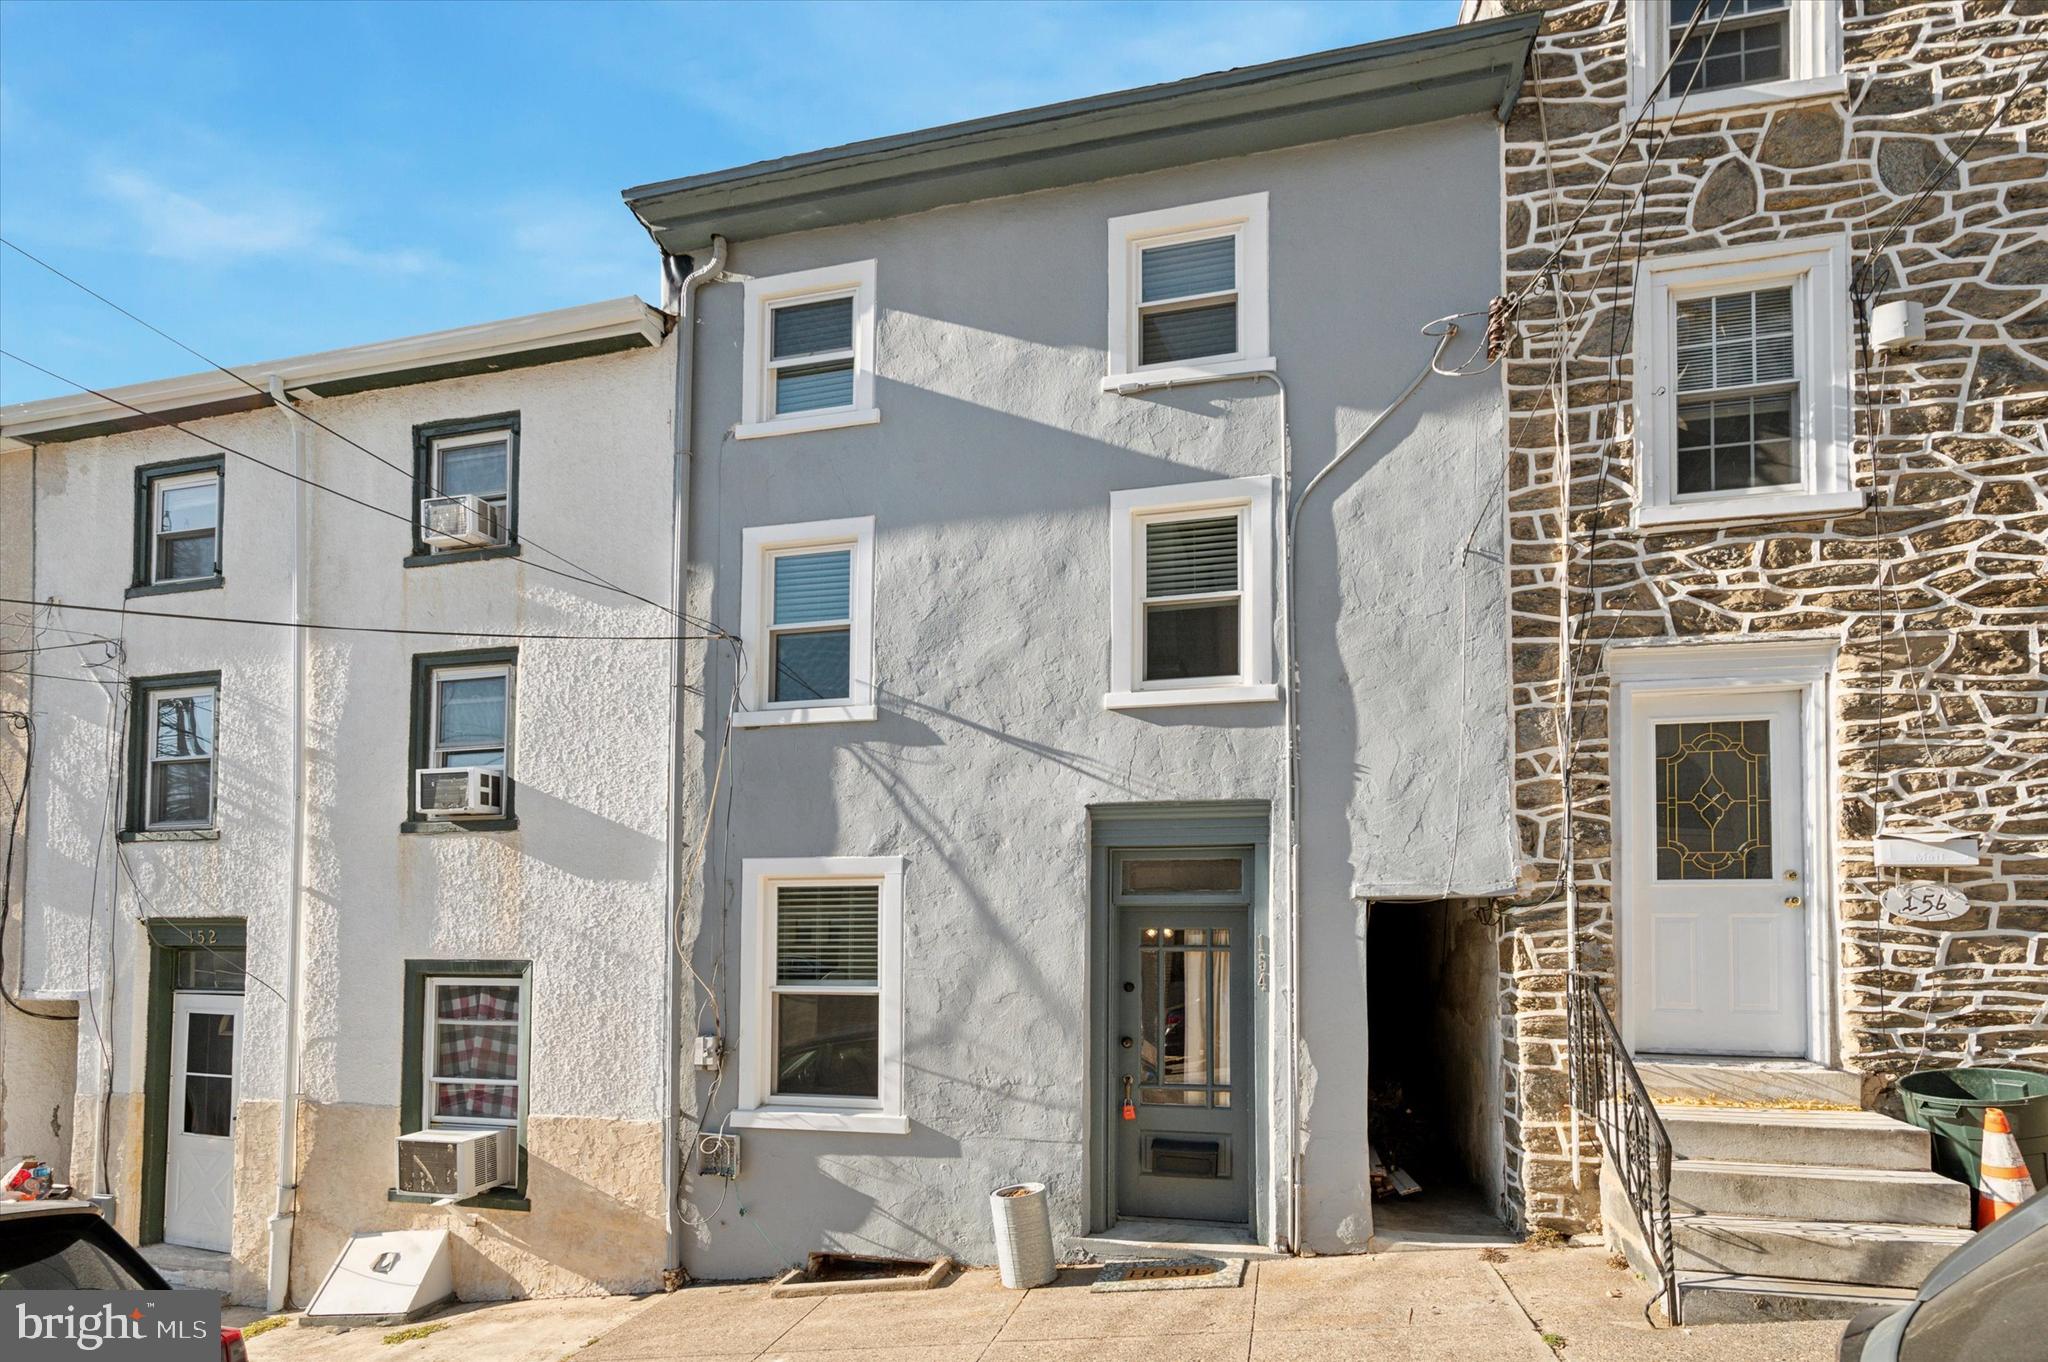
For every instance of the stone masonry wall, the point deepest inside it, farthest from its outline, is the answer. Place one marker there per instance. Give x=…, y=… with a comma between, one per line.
x=1938, y=591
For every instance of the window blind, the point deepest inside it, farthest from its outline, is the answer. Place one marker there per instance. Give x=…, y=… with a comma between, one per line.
x=1189, y=268
x=813, y=328
x=1190, y=557
x=1735, y=340
x=812, y=588
x=828, y=933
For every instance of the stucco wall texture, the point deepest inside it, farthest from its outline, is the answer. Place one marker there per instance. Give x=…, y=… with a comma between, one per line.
x=989, y=477
x=577, y=889
x=36, y=1039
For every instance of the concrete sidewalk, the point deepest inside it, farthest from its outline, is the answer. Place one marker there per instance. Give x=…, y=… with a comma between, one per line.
x=1452, y=1304
x=1534, y=1306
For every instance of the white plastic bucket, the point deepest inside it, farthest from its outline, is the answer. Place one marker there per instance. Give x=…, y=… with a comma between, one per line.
x=1023, y=1234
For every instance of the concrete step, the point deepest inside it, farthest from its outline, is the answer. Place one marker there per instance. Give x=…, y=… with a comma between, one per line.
x=1851, y=1139
x=1813, y=1250
x=1736, y=1082
x=1796, y=1192
x=189, y=1269
x=1733, y=1298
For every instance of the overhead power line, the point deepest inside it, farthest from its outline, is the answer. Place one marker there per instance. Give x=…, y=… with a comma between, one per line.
x=319, y=486
x=320, y=627
x=593, y=578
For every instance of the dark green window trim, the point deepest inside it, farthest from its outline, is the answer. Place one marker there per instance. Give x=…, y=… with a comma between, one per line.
x=168, y=936
x=146, y=478
x=412, y=1073
x=139, y=688
x=423, y=437
x=424, y=665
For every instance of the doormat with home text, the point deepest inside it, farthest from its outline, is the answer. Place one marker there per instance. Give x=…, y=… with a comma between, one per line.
x=1169, y=1274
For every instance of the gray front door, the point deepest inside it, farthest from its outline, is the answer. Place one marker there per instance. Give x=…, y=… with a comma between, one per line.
x=1182, y=1058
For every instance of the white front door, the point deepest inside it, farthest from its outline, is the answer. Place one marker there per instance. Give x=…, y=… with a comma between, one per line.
x=1713, y=875
x=199, y=1171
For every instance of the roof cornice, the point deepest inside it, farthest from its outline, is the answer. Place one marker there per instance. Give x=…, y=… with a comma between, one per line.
x=1421, y=77
x=517, y=342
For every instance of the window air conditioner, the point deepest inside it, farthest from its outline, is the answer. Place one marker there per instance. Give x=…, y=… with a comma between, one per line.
x=449, y=790
x=454, y=1163
x=459, y=523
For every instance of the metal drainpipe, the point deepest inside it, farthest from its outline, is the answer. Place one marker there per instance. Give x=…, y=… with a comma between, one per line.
x=679, y=569
x=278, y=1285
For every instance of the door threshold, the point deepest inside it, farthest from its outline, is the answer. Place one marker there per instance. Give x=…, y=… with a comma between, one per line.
x=1173, y=1238
x=1726, y=1061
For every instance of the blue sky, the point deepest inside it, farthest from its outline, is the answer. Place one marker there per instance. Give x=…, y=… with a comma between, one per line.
x=263, y=180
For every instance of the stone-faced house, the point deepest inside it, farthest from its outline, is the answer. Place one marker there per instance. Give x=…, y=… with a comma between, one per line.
x=1779, y=556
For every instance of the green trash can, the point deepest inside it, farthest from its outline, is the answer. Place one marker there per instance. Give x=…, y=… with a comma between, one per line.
x=1950, y=1103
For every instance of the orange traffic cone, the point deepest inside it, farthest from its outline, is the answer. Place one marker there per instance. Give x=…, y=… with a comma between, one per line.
x=2002, y=1179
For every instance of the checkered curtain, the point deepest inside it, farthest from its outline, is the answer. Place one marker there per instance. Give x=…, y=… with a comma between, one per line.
x=465, y=1050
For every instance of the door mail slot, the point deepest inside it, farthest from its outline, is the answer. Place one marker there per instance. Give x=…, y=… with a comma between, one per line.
x=1184, y=1156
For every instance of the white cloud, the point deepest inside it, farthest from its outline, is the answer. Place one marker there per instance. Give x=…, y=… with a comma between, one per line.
x=234, y=224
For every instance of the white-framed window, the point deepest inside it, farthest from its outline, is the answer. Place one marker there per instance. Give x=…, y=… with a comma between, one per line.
x=474, y=1068
x=1742, y=384
x=469, y=716
x=808, y=344
x=178, y=758
x=184, y=527
x=1741, y=52
x=1187, y=294
x=1191, y=594
x=477, y=464
x=821, y=1027
x=807, y=622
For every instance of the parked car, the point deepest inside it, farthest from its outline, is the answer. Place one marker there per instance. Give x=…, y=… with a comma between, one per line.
x=66, y=1246
x=1986, y=1300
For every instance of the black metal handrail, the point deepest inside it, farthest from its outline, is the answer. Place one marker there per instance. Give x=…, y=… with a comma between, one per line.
x=1607, y=1090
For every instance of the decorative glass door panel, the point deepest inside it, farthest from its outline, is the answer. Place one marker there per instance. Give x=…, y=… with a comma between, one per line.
x=1713, y=874
x=1180, y=1061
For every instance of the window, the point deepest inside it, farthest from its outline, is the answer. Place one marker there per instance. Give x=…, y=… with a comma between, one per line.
x=464, y=1063
x=177, y=521
x=1742, y=383
x=809, y=350
x=1735, y=42
x=171, y=751
x=465, y=489
x=1740, y=52
x=1187, y=294
x=462, y=720
x=806, y=604
x=1737, y=389
x=1191, y=577
x=821, y=1037
x=473, y=1062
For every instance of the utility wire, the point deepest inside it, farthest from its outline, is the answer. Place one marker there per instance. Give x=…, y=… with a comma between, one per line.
x=592, y=579
x=1859, y=286
x=319, y=486
x=363, y=628
x=1628, y=137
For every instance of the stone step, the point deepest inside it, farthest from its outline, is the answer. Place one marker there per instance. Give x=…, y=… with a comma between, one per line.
x=1735, y=1298
x=1736, y=1082
x=1795, y=1192
x=1852, y=1139
x=1813, y=1250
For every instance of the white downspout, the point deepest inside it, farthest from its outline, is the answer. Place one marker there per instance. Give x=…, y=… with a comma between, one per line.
x=278, y=1280
x=672, y=1159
